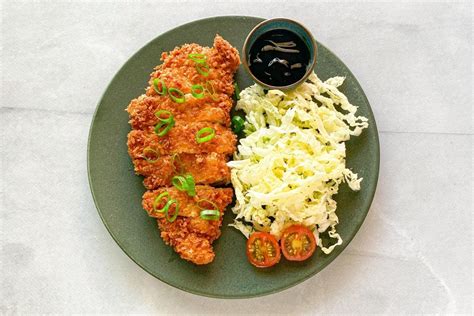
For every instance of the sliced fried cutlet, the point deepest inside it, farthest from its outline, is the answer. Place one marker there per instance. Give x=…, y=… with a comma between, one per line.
x=190, y=235
x=222, y=59
x=182, y=139
x=189, y=206
x=190, y=246
x=209, y=168
x=142, y=110
x=221, y=56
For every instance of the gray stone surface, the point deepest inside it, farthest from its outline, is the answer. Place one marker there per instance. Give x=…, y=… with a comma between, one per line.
x=412, y=255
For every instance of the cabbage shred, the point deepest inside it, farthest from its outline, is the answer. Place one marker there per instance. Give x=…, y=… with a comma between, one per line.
x=292, y=160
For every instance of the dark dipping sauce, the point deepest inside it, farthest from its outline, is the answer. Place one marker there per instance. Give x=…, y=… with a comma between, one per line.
x=278, y=58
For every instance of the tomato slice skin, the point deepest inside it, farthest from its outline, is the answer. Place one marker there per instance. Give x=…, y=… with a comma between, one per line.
x=297, y=243
x=263, y=250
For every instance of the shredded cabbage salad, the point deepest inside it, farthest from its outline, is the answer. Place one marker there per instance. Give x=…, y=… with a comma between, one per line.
x=292, y=160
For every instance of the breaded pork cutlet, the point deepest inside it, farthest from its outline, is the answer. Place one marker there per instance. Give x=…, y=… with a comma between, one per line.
x=207, y=109
x=190, y=235
x=179, y=71
x=189, y=245
x=209, y=168
x=189, y=206
x=194, y=85
x=182, y=139
x=222, y=59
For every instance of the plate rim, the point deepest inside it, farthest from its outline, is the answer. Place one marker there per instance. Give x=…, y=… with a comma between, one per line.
x=236, y=296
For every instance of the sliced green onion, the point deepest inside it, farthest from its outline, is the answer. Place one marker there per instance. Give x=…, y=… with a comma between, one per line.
x=209, y=134
x=157, y=200
x=236, y=92
x=165, y=124
x=156, y=81
x=167, y=210
x=178, y=99
x=207, y=212
x=206, y=207
x=180, y=183
x=195, y=91
x=162, y=128
x=202, y=69
x=185, y=183
x=169, y=117
x=210, y=89
x=191, y=185
x=210, y=215
x=149, y=150
x=176, y=160
x=198, y=58
x=237, y=124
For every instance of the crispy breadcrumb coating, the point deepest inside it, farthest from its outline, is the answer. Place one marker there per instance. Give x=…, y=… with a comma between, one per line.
x=142, y=110
x=189, y=235
x=178, y=152
x=208, y=168
x=193, y=247
x=182, y=139
x=222, y=58
x=189, y=206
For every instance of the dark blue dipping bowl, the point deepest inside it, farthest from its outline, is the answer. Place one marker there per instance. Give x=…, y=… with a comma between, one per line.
x=287, y=24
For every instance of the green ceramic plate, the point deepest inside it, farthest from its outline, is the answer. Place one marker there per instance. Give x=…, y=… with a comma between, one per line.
x=117, y=191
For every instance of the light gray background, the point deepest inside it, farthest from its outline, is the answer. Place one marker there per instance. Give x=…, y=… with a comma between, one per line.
x=412, y=255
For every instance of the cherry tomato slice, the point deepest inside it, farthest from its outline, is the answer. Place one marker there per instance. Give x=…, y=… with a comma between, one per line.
x=263, y=250
x=297, y=243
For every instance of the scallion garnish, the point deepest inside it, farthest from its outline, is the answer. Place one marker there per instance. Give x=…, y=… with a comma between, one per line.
x=179, y=98
x=156, y=82
x=162, y=128
x=236, y=92
x=157, y=200
x=168, y=118
x=165, y=124
x=147, y=152
x=173, y=217
x=201, y=66
x=197, y=91
x=177, y=164
x=209, y=206
x=210, y=215
x=191, y=185
x=179, y=183
x=210, y=89
x=185, y=183
x=237, y=124
x=198, y=58
x=202, y=69
x=208, y=133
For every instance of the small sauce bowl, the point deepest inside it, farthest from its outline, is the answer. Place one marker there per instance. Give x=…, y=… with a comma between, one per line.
x=258, y=34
